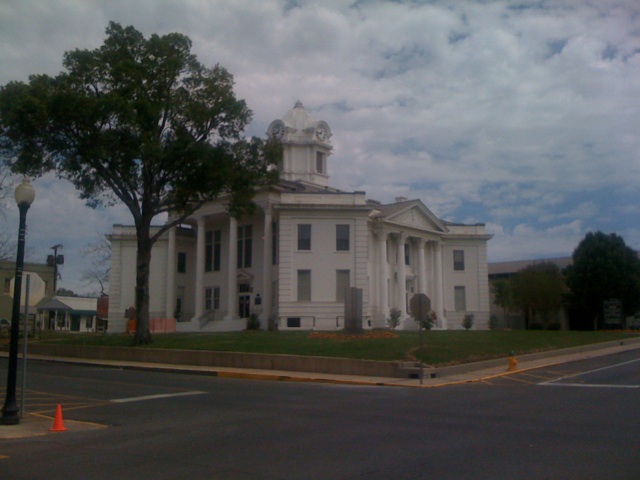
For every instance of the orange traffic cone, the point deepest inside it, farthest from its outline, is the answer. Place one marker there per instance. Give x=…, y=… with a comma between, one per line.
x=57, y=422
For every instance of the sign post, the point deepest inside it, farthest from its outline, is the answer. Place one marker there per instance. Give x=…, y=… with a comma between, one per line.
x=612, y=313
x=420, y=306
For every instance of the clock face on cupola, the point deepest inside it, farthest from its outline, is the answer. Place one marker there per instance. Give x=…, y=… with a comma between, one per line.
x=276, y=130
x=322, y=132
x=307, y=145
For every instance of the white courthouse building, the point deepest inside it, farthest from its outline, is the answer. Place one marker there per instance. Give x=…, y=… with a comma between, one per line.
x=290, y=263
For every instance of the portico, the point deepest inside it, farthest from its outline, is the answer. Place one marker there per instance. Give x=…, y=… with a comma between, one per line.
x=418, y=260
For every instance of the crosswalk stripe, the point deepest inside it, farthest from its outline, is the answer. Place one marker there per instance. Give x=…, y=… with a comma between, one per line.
x=154, y=397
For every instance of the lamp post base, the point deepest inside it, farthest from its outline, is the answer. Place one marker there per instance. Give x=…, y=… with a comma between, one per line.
x=10, y=415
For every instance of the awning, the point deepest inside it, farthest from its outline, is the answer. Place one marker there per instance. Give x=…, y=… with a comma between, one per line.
x=52, y=304
x=84, y=313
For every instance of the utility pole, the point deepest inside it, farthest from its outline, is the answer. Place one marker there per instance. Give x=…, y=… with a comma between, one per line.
x=55, y=260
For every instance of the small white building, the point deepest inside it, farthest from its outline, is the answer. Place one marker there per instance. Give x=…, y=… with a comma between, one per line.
x=290, y=262
x=74, y=314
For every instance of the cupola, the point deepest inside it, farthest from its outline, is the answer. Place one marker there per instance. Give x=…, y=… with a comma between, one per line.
x=307, y=146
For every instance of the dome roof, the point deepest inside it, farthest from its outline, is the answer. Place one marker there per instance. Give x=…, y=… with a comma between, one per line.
x=298, y=118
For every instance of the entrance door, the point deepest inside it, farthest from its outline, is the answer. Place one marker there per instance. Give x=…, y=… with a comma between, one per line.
x=244, y=300
x=75, y=323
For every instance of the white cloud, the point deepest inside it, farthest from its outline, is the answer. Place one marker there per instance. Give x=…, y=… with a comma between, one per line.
x=526, y=242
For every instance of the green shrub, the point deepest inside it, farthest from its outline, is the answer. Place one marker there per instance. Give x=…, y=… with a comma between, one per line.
x=253, y=323
x=430, y=321
x=467, y=322
x=394, y=318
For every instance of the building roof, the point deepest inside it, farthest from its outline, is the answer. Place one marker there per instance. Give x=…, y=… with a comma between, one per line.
x=510, y=268
x=52, y=304
x=298, y=118
x=77, y=305
x=305, y=187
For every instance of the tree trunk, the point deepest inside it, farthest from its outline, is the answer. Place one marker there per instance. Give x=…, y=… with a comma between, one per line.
x=143, y=258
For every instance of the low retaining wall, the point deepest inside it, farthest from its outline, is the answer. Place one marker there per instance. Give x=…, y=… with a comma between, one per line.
x=337, y=366
x=291, y=363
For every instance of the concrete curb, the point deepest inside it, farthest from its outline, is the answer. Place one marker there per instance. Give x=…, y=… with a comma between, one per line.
x=499, y=362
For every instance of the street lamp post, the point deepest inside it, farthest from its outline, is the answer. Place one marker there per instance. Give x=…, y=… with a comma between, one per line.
x=25, y=195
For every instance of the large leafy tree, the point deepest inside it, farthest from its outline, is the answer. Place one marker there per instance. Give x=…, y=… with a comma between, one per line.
x=503, y=297
x=538, y=291
x=141, y=121
x=603, y=268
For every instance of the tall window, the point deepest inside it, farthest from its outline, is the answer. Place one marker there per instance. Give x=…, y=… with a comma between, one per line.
x=182, y=262
x=7, y=285
x=460, y=299
x=342, y=284
x=304, y=285
x=407, y=254
x=244, y=246
x=212, y=298
x=458, y=260
x=342, y=237
x=304, y=237
x=216, y=298
x=274, y=243
x=208, y=298
x=319, y=162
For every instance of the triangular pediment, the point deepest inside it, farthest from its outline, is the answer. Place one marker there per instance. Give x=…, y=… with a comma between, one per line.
x=244, y=277
x=416, y=215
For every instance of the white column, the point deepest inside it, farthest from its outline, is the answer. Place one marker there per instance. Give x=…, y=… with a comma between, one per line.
x=427, y=270
x=440, y=287
x=200, y=246
x=171, y=275
x=267, y=265
x=432, y=273
x=402, y=278
x=422, y=268
x=232, y=273
x=384, y=276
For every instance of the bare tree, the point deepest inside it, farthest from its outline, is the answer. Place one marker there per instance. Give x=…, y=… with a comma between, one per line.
x=99, y=252
x=7, y=248
x=6, y=182
x=7, y=243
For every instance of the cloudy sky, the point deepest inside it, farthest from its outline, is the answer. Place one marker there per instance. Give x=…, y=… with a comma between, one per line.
x=523, y=115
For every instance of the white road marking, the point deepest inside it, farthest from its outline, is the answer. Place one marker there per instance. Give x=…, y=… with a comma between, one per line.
x=155, y=397
x=586, y=385
x=557, y=382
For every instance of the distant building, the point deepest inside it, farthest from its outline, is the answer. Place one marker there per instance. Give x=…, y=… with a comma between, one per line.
x=74, y=314
x=40, y=286
x=291, y=263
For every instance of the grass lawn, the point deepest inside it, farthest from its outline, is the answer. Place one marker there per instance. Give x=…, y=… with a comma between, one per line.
x=440, y=347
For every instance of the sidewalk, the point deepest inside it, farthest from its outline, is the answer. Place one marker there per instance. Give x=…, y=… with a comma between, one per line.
x=33, y=425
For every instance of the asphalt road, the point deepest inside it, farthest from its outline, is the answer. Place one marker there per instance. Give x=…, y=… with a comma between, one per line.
x=572, y=421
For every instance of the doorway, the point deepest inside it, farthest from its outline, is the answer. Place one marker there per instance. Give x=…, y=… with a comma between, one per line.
x=244, y=300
